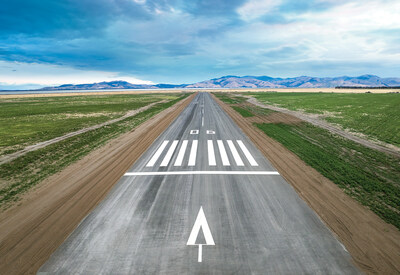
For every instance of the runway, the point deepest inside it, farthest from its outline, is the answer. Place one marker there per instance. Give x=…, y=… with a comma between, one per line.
x=201, y=200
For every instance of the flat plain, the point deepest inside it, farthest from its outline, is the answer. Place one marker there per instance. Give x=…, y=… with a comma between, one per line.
x=309, y=157
x=25, y=121
x=28, y=121
x=375, y=116
x=369, y=176
x=364, y=174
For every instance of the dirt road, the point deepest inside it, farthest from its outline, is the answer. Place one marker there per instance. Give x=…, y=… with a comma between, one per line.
x=32, y=230
x=373, y=244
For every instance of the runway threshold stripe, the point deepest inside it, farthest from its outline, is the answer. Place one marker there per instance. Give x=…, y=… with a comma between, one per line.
x=181, y=154
x=222, y=152
x=157, y=154
x=193, y=153
x=238, y=160
x=211, y=154
x=169, y=154
x=247, y=153
x=269, y=173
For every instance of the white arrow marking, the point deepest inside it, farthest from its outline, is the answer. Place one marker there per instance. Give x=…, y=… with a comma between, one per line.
x=201, y=222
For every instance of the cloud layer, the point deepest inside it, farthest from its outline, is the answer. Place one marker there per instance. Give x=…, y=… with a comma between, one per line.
x=187, y=41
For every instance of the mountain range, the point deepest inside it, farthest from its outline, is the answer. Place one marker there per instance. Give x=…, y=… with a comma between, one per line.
x=232, y=81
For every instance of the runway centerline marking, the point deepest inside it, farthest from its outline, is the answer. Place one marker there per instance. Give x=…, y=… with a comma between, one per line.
x=166, y=173
x=157, y=154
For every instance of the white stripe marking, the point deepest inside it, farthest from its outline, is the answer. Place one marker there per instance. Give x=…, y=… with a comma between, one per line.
x=247, y=153
x=169, y=154
x=222, y=152
x=181, y=154
x=157, y=154
x=271, y=173
x=211, y=155
x=235, y=153
x=193, y=152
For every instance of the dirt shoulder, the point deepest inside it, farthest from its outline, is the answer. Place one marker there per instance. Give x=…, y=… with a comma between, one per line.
x=373, y=243
x=31, y=231
x=383, y=147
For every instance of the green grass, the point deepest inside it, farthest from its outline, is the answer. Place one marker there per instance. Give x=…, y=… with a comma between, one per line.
x=229, y=98
x=369, y=176
x=243, y=112
x=374, y=115
x=23, y=173
x=26, y=121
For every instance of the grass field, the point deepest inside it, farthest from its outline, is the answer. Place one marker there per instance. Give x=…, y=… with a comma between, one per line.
x=21, y=174
x=246, y=110
x=230, y=98
x=26, y=121
x=375, y=115
x=242, y=111
x=369, y=176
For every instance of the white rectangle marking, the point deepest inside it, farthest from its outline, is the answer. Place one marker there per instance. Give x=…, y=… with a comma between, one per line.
x=222, y=152
x=211, y=155
x=235, y=153
x=267, y=173
x=157, y=154
x=193, y=153
x=247, y=153
x=169, y=154
x=181, y=154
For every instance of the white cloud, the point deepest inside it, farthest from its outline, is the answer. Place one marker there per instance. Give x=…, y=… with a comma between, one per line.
x=140, y=1
x=365, y=15
x=352, y=31
x=254, y=9
x=18, y=73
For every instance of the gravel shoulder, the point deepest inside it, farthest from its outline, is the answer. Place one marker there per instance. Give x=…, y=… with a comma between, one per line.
x=373, y=243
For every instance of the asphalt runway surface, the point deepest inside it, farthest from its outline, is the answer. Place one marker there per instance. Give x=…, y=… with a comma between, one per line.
x=201, y=200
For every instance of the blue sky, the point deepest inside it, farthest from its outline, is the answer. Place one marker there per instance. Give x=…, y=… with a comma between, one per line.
x=47, y=42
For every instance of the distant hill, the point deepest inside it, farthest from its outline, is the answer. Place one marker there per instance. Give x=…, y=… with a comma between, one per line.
x=296, y=82
x=231, y=81
x=108, y=85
